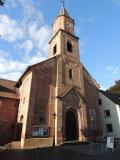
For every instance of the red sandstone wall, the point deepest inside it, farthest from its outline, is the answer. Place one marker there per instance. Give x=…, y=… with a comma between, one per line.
x=42, y=97
x=8, y=116
x=91, y=96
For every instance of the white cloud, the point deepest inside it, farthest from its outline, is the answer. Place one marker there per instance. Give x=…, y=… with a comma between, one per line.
x=11, y=75
x=40, y=37
x=35, y=59
x=103, y=88
x=116, y=71
x=10, y=68
x=112, y=70
x=26, y=47
x=9, y=29
x=29, y=35
x=90, y=19
x=29, y=9
x=8, y=65
x=35, y=29
x=11, y=4
x=109, y=68
x=4, y=54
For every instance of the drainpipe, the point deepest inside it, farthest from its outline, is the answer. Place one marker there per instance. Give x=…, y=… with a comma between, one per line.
x=56, y=105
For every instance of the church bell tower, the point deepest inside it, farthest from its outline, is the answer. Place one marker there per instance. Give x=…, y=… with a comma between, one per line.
x=65, y=44
x=69, y=94
x=63, y=41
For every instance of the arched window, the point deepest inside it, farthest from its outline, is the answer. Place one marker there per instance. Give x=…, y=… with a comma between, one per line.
x=69, y=47
x=55, y=49
x=70, y=73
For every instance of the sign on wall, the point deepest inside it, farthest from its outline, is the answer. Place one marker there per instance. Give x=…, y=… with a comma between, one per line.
x=40, y=131
x=110, y=142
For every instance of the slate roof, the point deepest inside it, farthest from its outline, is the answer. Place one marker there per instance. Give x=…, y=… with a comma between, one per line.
x=7, y=89
x=113, y=97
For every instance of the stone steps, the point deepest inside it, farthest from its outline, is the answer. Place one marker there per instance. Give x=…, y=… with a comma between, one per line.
x=13, y=145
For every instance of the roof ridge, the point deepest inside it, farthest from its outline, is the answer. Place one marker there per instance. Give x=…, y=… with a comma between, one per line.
x=109, y=92
x=111, y=96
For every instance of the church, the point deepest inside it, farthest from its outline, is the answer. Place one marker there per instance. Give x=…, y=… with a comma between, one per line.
x=58, y=98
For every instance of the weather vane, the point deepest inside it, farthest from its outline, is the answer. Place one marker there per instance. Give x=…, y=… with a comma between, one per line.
x=63, y=3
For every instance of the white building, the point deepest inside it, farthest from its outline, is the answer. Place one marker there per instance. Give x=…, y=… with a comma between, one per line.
x=109, y=105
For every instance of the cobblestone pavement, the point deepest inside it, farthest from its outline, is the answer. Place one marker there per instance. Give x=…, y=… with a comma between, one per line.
x=58, y=153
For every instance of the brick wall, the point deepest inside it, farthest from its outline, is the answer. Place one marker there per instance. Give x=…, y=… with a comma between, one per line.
x=8, y=117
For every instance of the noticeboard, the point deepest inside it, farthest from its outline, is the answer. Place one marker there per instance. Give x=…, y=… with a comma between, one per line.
x=110, y=142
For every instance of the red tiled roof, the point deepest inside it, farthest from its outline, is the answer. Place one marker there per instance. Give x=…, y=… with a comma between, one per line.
x=7, y=89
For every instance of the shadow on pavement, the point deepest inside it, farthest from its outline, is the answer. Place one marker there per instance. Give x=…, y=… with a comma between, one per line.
x=54, y=153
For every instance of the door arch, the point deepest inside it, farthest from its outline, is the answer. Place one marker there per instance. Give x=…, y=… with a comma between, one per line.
x=71, y=126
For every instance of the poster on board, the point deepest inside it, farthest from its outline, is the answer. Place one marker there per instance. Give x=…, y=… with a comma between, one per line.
x=110, y=142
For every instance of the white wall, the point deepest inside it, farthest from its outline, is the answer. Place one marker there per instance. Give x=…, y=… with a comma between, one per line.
x=114, y=119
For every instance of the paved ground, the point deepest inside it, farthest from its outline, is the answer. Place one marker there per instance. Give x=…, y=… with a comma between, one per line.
x=70, y=152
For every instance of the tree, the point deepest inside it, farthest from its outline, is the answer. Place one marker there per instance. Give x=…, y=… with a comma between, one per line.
x=115, y=88
x=2, y=2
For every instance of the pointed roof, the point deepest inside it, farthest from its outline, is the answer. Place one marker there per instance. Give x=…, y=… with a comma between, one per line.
x=75, y=89
x=64, y=12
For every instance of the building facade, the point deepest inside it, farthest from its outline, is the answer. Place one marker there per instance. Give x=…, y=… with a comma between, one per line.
x=109, y=105
x=58, y=97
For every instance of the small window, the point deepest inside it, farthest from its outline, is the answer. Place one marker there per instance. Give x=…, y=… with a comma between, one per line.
x=42, y=118
x=107, y=113
x=69, y=47
x=100, y=101
x=70, y=74
x=109, y=127
x=13, y=126
x=55, y=49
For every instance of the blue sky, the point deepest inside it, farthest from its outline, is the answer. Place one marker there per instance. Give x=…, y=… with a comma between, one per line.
x=25, y=28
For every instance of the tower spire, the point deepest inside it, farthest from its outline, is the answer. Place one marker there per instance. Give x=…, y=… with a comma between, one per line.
x=63, y=3
x=63, y=10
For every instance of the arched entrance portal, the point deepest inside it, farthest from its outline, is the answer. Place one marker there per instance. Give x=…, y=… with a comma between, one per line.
x=71, y=126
